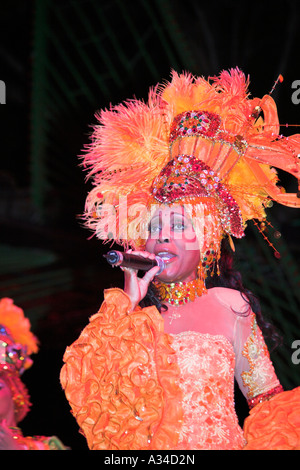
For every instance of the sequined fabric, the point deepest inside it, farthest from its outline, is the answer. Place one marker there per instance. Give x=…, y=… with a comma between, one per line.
x=185, y=177
x=207, y=371
x=261, y=371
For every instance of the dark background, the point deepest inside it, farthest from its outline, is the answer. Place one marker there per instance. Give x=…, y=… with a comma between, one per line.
x=61, y=61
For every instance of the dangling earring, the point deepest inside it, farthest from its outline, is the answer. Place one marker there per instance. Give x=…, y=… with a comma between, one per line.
x=200, y=272
x=209, y=263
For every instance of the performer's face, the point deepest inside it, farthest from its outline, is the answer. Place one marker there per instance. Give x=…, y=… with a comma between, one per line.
x=6, y=401
x=172, y=236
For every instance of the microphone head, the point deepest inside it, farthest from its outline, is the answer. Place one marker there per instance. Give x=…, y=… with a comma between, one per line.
x=161, y=264
x=112, y=257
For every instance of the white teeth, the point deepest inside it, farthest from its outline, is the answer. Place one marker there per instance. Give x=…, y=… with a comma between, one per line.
x=165, y=255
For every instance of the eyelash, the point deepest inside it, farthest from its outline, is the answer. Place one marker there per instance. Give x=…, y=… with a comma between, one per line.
x=151, y=228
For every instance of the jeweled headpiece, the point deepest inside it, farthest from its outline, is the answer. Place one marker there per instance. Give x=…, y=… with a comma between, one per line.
x=17, y=343
x=199, y=141
x=187, y=178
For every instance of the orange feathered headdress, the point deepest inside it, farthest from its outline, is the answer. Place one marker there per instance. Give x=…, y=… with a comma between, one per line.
x=17, y=343
x=15, y=332
x=235, y=139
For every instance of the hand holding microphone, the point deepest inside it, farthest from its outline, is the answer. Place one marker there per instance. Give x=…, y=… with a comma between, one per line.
x=136, y=288
x=133, y=261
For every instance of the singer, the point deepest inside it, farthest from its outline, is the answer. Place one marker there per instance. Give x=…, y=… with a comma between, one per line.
x=155, y=367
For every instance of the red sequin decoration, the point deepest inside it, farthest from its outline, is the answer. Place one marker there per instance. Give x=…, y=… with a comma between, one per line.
x=194, y=123
x=207, y=125
x=265, y=396
x=187, y=177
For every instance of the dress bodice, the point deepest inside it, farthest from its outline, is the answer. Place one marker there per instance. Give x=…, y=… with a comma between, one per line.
x=207, y=380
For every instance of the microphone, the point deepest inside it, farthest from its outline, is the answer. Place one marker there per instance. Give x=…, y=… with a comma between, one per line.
x=117, y=258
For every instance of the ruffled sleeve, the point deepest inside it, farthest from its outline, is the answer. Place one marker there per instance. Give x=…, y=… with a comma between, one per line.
x=275, y=424
x=121, y=379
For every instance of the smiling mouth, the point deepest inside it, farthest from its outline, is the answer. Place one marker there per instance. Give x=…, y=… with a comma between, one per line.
x=166, y=256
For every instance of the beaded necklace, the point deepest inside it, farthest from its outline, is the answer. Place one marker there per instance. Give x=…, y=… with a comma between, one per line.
x=180, y=293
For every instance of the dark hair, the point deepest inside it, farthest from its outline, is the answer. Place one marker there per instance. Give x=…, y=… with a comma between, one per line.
x=231, y=278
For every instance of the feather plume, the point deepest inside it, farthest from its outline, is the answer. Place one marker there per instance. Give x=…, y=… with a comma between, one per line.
x=130, y=146
x=13, y=318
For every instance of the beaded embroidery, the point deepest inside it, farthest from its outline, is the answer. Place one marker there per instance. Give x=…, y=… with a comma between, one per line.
x=179, y=293
x=265, y=396
x=207, y=125
x=207, y=380
x=194, y=123
x=257, y=379
x=187, y=177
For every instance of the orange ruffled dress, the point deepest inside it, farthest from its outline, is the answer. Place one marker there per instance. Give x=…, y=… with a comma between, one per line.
x=131, y=386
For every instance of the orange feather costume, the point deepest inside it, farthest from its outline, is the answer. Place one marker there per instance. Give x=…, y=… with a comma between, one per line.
x=206, y=144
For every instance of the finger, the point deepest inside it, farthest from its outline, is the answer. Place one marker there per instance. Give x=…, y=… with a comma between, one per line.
x=148, y=277
x=143, y=254
x=128, y=271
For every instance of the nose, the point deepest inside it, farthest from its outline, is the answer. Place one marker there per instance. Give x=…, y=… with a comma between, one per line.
x=164, y=235
x=163, y=240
